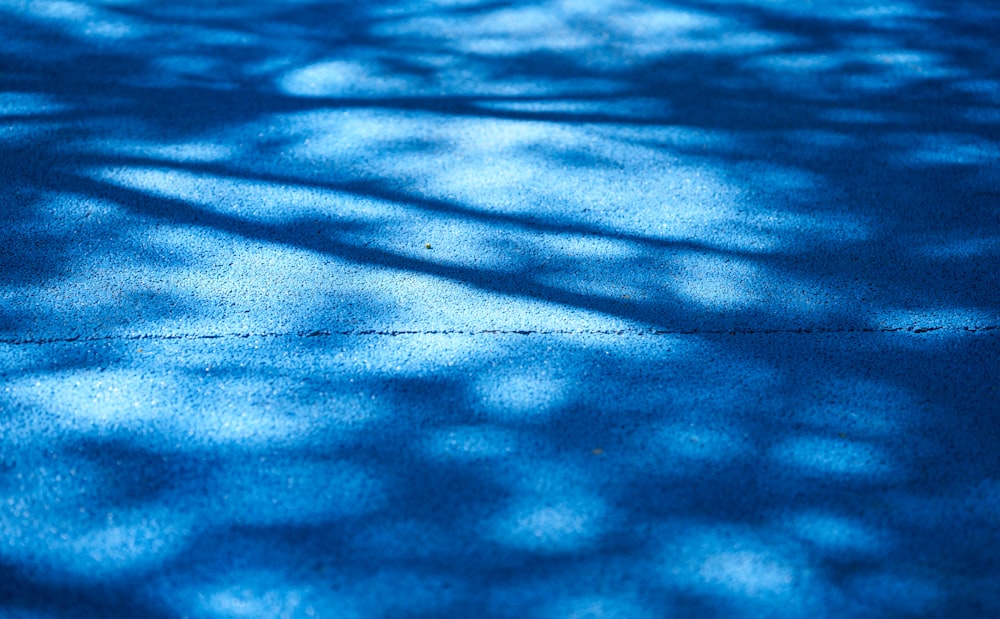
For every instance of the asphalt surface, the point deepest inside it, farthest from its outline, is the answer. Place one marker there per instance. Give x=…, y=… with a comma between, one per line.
x=499, y=309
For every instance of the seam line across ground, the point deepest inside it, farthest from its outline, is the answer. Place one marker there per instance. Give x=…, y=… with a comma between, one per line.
x=912, y=329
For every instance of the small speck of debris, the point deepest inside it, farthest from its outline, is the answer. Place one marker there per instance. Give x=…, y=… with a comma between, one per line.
x=427, y=245
x=597, y=451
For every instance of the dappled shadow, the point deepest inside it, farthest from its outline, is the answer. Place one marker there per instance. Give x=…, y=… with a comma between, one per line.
x=496, y=308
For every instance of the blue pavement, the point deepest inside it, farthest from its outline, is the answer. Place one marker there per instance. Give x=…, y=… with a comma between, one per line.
x=472, y=308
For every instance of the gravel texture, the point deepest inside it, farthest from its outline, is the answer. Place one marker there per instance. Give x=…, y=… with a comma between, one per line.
x=568, y=309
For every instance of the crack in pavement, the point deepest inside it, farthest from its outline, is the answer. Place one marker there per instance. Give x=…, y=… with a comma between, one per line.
x=917, y=330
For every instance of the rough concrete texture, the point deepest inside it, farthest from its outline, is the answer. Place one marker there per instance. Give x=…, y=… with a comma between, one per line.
x=499, y=309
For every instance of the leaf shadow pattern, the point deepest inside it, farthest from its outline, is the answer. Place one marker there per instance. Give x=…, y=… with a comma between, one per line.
x=708, y=325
